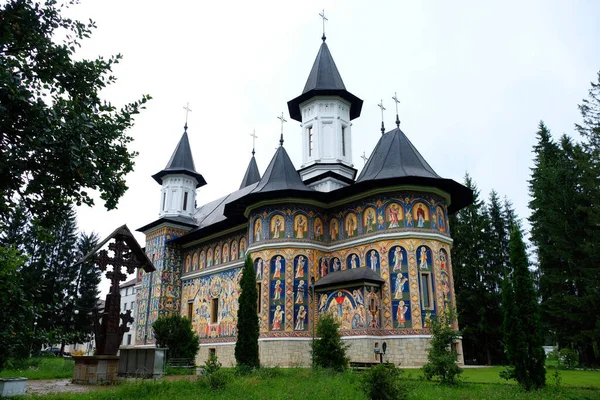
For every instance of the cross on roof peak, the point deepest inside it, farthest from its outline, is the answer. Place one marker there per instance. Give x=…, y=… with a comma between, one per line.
x=395, y=98
x=254, y=137
x=283, y=120
x=322, y=15
x=380, y=105
x=187, y=111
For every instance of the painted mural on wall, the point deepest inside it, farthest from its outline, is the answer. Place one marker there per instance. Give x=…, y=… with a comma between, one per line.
x=398, y=262
x=301, y=293
x=277, y=293
x=214, y=300
x=350, y=308
x=367, y=216
x=220, y=251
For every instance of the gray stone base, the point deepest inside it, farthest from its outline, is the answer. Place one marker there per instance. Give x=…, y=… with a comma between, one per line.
x=94, y=370
x=12, y=386
x=406, y=351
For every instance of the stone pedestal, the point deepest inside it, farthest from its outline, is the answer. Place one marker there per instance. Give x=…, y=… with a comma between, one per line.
x=93, y=370
x=142, y=362
x=12, y=386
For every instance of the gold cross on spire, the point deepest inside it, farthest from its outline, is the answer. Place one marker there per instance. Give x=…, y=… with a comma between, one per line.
x=322, y=15
x=283, y=120
x=187, y=111
x=254, y=137
x=395, y=98
x=380, y=105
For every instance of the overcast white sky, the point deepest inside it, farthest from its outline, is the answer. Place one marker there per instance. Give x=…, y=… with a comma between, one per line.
x=474, y=79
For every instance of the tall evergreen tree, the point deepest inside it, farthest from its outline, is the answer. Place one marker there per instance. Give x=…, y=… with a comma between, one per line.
x=246, y=346
x=476, y=284
x=522, y=324
x=86, y=290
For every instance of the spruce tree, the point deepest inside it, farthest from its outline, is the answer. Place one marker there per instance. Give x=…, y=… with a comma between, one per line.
x=246, y=346
x=86, y=290
x=522, y=326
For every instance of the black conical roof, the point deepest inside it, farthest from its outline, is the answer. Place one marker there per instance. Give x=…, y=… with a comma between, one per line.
x=396, y=161
x=252, y=175
x=395, y=156
x=181, y=162
x=280, y=175
x=324, y=79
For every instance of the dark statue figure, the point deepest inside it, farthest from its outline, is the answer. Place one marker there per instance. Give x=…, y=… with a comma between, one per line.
x=111, y=324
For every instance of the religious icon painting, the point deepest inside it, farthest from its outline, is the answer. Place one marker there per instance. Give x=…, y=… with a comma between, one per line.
x=195, y=262
x=300, y=291
x=380, y=221
x=335, y=264
x=234, y=253
x=209, y=258
x=334, y=229
x=322, y=270
x=188, y=263
x=393, y=214
x=300, y=226
x=400, y=286
x=318, y=229
x=225, y=253
x=373, y=260
x=277, y=317
x=443, y=260
x=369, y=220
x=401, y=313
x=421, y=217
x=352, y=261
x=408, y=217
x=258, y=230
x=202, y=259
x=350, y=225
x=300, y=318
x=217, y=255
x=398, y=259
x=242, y=247
x=277, y=267
x=300, y=267
x=277, y=227
x=440, y=217
x=424, y=258
x=444, y=286
x=259, y=268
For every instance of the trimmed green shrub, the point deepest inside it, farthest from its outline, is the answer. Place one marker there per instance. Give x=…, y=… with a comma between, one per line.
x=175, y=333
x=328, y=350
x=383, y=382
x=441, y=356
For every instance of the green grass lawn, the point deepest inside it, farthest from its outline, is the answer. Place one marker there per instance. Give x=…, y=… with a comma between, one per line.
x=40, y=368
x=314, y=385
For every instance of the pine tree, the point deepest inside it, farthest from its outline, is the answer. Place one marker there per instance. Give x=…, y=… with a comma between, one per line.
x=246, y=346
x=522, y=325
x=86, y=290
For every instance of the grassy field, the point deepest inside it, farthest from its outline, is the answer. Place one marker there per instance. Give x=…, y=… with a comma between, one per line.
x=40, y=368
x=314, y=385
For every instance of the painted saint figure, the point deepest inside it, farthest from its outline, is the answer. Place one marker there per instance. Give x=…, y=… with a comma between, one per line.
x=259, y=269
x=300, y=267
x=258, y=230
x=423, y=258
x=408, y=221
x=334, y=229
x=318, y=229
x=323, y=267
x=373, y=260
x=300, y=319
x=443, y=259
x=277, y=290
x=340, y=300
x=398, y=258
x=277, y=273
x=336, y=264
x=278, y=226
x=358, y=297
x=322, y=302
x=277, y=318
x=300, y=292
x=301, y=226
x=401, y=314
x=400, y=282
x=353, y=261
x=420, y=216
x=234, y=254
x=393, y=216
x=370, y=220
x=350, y=225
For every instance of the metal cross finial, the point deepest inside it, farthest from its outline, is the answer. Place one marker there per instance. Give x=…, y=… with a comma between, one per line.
x=282, y=122
x=395, y=98
x=364, y=157
x=322, y=15
x=187, y=111
x=380, y=105
x=254, y=137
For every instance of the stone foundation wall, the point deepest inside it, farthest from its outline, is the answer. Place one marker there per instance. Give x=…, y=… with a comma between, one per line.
x=409, y=351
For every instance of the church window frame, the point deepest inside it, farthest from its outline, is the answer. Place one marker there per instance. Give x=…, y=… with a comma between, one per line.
x=310, y=140
x=258, y=302
x=185, y=200
x=214, y=310
x=343, y=140
x=190, y=309
x=426, y=290
x=164, y=202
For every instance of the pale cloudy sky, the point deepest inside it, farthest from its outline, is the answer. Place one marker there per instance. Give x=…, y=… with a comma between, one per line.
x=474, y=79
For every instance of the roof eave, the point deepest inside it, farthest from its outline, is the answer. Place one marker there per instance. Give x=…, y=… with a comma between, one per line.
x=355, y=102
